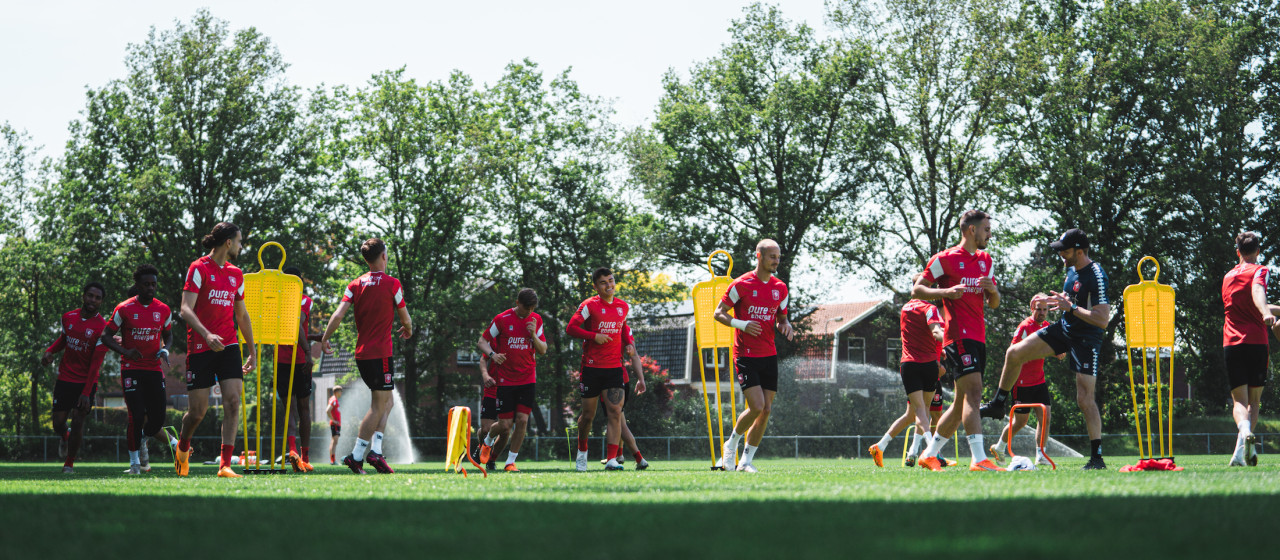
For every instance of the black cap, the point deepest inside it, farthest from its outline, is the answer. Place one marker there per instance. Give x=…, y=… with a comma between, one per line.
x=1071, y=239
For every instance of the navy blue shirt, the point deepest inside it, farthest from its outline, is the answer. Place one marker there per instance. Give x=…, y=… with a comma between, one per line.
x=1086, y=288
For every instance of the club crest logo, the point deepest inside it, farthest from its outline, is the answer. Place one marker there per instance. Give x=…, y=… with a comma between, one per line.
x=233, y=281
x=387, y=378
x=620, y=311
x=967, y=359
x=128, y=383
x=88, y=333
x=777, y=295
x=191, y=377
x=982, y=265
x=155, y=315
x=1076, y=287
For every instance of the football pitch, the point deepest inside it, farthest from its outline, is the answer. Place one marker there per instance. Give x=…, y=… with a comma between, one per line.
x=793, y=508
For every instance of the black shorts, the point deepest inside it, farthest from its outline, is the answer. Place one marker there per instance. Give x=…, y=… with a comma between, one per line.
x=335, y=430
x=1082, y=353
x=918, y=376
x=965, y=356
x=937, y=396
x=301, y=380
x=377, y=373
x=595, y=380
x=515, y=399
x=144, y=391
x=761, y=371
x=1246, y=364
x=1032, y=394
x=209, y=367
x=488, y=408
x=626, y=393
x=66, y=395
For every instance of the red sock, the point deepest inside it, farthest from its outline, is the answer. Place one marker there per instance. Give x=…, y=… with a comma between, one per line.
x=293, y=444
x=226, y=454
x=639, y=457
x=613, y=451
x=332, y=459
x=306, y=454
x=71, y=460
x=66, y=435
x=184, y=445
x=582, y=443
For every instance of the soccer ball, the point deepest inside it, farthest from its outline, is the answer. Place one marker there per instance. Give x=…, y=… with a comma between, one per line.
x=1020, y=463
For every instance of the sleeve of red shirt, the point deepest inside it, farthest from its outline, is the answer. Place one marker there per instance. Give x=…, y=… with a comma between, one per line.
x=58, y=345
x=193, y=281
x=574, y=328
x=350, y=294
x=726, y=299
x=399, y=295
x=95, y=368
x=490, y=332
x=627, y=339
x=542, y=335
x=933, y=317
x=240, y=285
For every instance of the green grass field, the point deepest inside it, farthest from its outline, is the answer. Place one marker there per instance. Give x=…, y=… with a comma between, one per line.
x=792, y=508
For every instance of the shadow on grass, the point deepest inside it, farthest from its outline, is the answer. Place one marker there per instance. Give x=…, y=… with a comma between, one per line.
x=114, y=526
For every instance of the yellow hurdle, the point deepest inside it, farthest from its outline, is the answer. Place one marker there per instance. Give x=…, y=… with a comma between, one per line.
x=459, y=442
x=273, y=300
x=711, y=335
x=1149, y=311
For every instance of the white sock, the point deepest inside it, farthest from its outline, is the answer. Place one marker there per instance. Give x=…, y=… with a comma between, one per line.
x=935, y=446
x=748, y=451
x=1245, y=428
x=919, y=440
x=376, y=444
x=884, y=441
x=975, y=448
x=133, y=458
x=490, y=440
x=1000, y=442
x=362, y=447
x=1039, y=455
x=734, y=439
x=173, y=440
x=511, y=457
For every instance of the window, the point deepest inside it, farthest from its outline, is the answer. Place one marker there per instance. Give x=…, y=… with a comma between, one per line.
x=893, y=352
x=857, y=350
x=468, y=357
x=710, y=362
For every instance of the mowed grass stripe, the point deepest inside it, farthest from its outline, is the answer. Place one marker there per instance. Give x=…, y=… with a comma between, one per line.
x=679, y=509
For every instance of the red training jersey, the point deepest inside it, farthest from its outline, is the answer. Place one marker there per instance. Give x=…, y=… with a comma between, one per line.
x=965, y=317
x=82, y=352
x=337, y=412
x=1032, y=372
x=755, y=300
x=508, y=334
x=597, y=316
x=142, y=327
x=374, y=297
x=917, y=321
x=217, y=290
x=1244, y=323
x=284, y=350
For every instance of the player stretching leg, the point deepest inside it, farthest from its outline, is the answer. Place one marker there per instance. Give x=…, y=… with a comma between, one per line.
x=599, y=322
x=759, y=303
x=333, y=412
x=145, y=338
x=1085, y=312
x=1031, y=387
x=921, y=332
x=488, y=412
x=628, y=440
x=512, y=340
x=1245, y=342
x=78, y=370
x=377, y=299
x=213, y=308
x=965, y=277
x=286, y=358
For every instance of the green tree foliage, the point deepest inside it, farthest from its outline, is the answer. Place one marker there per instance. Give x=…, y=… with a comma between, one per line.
x=767, y=139
x=203, y=129
x=409, y=175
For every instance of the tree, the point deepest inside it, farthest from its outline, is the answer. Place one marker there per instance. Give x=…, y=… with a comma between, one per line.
x=764, y=140
x=203, y=129
x=937, y=77
x=410, y=175
x=547, y=162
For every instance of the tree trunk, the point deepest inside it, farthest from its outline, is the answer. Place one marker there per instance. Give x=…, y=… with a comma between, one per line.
x=410, y=353
x=35, y=371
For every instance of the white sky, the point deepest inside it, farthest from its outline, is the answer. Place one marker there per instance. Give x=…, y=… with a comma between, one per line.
x=617, y=50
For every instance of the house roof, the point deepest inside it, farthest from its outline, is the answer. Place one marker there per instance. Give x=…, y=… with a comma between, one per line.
x=830, y=318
